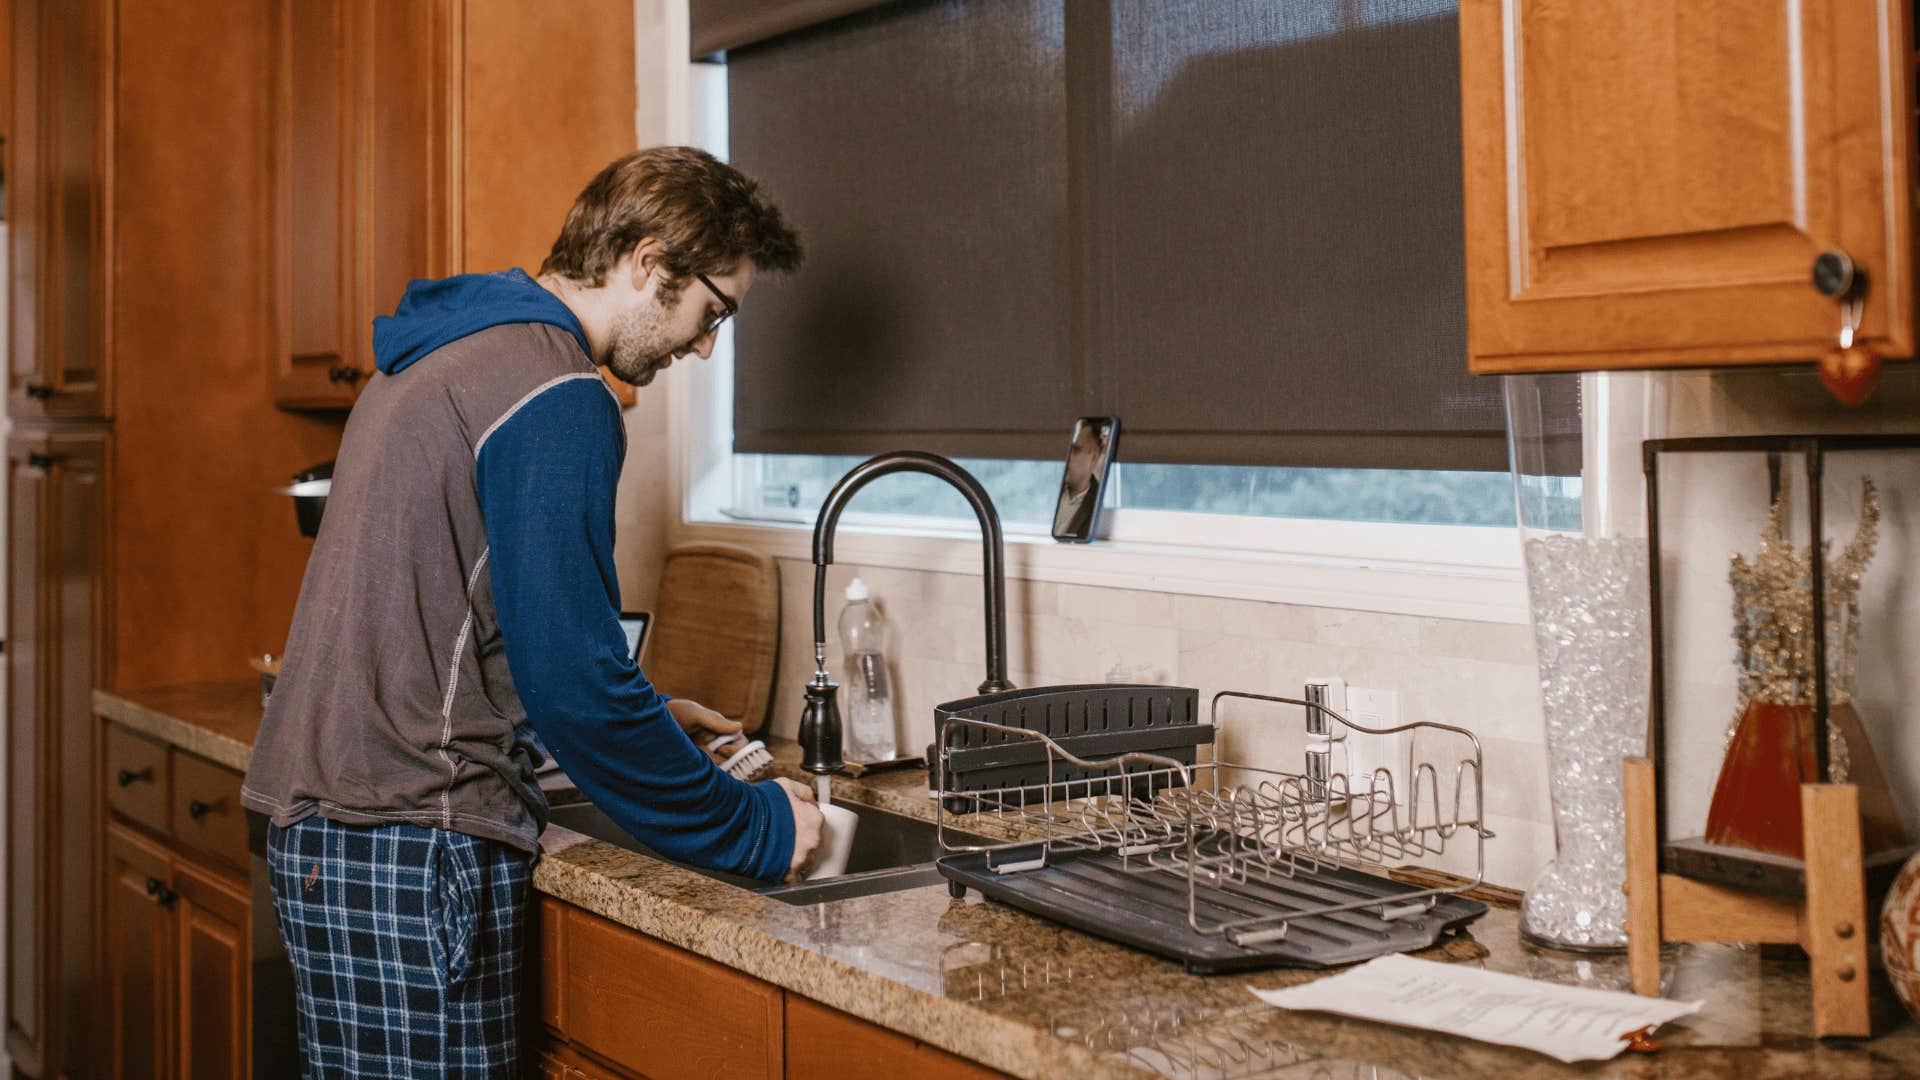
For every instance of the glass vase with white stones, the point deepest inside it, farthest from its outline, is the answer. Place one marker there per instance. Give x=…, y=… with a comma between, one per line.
x=1575, y=445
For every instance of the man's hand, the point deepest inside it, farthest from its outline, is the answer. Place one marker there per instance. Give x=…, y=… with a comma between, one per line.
x=807, y=821
x=701, y=724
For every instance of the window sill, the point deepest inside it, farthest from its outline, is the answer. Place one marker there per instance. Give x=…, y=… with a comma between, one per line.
x=1486, y=587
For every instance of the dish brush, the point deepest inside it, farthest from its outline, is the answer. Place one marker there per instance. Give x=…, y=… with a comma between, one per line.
x=745, y=761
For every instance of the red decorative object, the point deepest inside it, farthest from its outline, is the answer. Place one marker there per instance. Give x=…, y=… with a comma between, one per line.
x=1772, y=754
x=1851, y=374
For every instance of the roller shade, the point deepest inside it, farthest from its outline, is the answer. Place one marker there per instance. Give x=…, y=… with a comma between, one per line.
x=718, y=25
x=1235, y=225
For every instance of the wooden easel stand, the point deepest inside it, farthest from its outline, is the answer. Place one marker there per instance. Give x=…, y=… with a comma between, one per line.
x=1829, y=923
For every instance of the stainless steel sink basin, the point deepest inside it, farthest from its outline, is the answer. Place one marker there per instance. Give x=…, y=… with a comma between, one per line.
x=890, y=852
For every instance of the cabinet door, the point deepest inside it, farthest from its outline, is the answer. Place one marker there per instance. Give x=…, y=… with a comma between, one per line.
x=212, y=988
x=57, y=656
x=138, y=962
x=826, y=1044
x=57, y=209
x=540, y=83
x=1647, y=184
x=26, y=749
x=363, y=172
x=319, y=97
x=612, y=974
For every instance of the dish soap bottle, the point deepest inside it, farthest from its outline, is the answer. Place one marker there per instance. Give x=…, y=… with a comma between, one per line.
x=863, y=641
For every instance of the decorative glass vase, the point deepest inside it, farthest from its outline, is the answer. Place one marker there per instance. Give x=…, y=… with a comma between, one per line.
x=1579, y=490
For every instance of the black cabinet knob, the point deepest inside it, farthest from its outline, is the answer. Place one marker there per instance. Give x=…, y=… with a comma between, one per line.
x=197, y=809
x=41, y=461
x=344, y=373
x=127, y=777
x=38, y=391
x=1835, y=275
x=160, y=893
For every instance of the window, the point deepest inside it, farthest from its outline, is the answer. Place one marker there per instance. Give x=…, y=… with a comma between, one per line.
x=1436, y=542
x=790, y=487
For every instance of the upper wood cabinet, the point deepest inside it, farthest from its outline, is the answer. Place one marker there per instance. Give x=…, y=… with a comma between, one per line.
x=362, y=98
x=420, y=138
x=59, y=228
x=1647, y=184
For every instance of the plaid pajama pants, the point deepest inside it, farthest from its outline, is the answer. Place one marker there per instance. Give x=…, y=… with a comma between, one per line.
x=405, y=943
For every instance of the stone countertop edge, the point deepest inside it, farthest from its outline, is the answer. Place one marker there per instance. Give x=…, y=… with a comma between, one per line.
x=1756, y=1024
x=217, y=721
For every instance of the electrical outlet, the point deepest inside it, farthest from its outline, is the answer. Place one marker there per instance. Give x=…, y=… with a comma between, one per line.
x=1367, y=752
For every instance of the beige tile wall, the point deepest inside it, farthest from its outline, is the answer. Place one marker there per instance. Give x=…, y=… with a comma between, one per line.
x=1475, y=675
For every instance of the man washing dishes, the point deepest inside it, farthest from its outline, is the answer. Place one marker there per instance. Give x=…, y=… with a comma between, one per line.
x=461, y=598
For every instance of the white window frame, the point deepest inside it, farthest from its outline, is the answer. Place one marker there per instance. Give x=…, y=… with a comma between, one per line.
x=1446, y=571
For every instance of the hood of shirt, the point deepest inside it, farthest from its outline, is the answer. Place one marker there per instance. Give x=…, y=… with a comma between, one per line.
x=435, y=312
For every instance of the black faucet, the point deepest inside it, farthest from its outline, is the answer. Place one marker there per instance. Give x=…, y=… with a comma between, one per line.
x=820, y=723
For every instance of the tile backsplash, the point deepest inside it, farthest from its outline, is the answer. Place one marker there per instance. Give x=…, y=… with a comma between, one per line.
x=1471, y=674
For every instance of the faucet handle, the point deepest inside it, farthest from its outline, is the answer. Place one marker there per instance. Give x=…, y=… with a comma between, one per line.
x=819, y=735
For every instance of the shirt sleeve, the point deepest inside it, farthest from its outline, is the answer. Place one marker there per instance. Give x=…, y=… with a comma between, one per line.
x=546, y=475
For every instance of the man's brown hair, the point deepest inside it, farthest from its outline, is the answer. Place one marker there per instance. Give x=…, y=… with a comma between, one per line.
x=709, y=216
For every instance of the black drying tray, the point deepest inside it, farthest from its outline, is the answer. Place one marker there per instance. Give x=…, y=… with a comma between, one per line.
x=1089, y=891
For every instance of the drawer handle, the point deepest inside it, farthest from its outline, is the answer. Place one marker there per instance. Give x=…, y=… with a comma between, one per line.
x=197, y=809
x=127, y=777
x=38, y=391
x=160, y=893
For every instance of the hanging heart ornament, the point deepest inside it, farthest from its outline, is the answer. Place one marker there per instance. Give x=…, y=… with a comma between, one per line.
x=1851, y=371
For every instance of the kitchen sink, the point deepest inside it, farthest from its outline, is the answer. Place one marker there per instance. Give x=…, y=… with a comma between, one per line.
x=890, y=852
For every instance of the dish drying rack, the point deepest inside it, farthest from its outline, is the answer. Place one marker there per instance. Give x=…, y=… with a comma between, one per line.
x=1112, y=824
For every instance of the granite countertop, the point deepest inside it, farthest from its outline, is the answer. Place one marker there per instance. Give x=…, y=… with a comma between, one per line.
x=216, y=720
x=1035, y=999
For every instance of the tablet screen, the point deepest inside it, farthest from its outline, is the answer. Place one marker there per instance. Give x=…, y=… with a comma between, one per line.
x=635, y=624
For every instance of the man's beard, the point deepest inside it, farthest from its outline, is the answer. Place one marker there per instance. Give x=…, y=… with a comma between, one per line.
x=641, y=344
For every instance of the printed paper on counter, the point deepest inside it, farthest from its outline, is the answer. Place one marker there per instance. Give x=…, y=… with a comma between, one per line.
x=1572, y=1023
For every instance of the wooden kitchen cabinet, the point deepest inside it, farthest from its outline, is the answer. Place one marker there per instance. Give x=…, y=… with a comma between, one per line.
x=826, y=1044
x=210, y=981
x=150, y=174
x=611, y=975
x=175, y=957
x=419, y=138
x=362, y=96
x=56, y=634
x=58, y=225
x=1647, y=184
x=139, y=936
x=607, y=1001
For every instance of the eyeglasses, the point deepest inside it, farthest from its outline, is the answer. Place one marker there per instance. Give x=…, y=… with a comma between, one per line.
x=727, y=306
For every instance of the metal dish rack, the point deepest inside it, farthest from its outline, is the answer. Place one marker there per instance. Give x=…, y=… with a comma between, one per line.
x=1220, y=864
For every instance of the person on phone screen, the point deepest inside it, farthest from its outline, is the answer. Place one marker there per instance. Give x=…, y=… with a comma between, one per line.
x=1080, y=489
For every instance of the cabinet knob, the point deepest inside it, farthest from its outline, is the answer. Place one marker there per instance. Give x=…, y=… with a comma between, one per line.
x=38, y=391
x=343, y=373
x=197, y=809
x=1835, y=275
x=127, y=777
x=160, y=893
x=41, y=461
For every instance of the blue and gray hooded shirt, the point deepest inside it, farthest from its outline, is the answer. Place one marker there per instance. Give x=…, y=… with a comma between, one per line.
x=461, y=596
